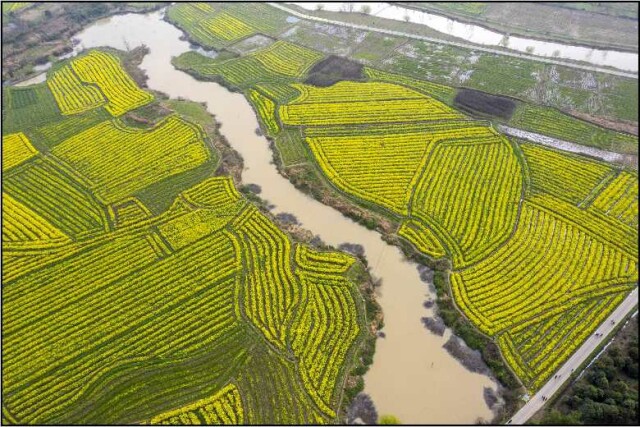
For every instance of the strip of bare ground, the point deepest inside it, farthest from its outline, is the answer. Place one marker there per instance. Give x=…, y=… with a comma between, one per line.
x=630, y=160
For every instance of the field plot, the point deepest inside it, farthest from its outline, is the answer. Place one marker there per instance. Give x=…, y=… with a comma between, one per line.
x=278, y=62
x=106, y=72
x=118, y=160
x=71, y=95
x=12, y=6
x=542, y=243
x=211, y=26
x=16, y=149
x=204, y=312
x=548, y=121
x=225, y=407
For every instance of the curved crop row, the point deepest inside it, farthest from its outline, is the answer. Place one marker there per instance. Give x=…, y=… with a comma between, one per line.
x=213, y=193
x=225, y=27
x=266, y=110
x=470, y=191
x=115, y=307
x=323, y=334
x=224, y=407
x=279, y=92
x=105, y=71
x=620, y=199
x=348, y=91
x=547, y=263
x=422, y=238
x=287, y=58
x=322, y=262
x=119, y=161
x=71, y=94
x=184, y=230
x=241, y=72
x=538, y=357
x=602, y=227
x=131, y=211
x=270, y=289
x=438, y=91
x=278, y=386
x=567, y=177
x=399, y=110
x=381, y=169
x=525, y=248
x=154, y=308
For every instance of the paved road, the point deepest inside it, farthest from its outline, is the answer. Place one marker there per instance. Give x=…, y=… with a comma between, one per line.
x=582, y=354
x=457, y=44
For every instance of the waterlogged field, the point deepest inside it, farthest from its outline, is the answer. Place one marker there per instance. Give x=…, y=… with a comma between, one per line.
x=113, y=313
x=542, y=244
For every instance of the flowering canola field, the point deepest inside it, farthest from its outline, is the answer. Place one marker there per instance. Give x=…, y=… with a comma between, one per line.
x=113, y=313
x=543, y=244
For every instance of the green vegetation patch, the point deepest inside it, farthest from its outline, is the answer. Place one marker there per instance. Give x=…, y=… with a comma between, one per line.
x=291, y=147
x=551, y=122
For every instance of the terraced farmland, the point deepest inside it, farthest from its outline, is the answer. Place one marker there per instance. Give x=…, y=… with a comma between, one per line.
x=542, y=244
x=115, y=314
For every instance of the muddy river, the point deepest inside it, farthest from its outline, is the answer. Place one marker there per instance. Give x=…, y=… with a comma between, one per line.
x=412, y=376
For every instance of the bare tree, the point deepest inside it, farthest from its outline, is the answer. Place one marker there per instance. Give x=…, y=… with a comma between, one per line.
x=347, y=7
x=366, y=9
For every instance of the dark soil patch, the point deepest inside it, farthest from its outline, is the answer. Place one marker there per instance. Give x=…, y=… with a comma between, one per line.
x=253, y=188
x=352, y=248
x=470, y=359
x=490, y=397
x=287, y=218
x=316, y=242
x=426, y=274
x=362, y=410
x=434, y=324
x=334, y=69
x=474, y=101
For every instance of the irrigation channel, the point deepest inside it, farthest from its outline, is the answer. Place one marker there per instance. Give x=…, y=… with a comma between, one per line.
x=413, y=376
x=626, y=61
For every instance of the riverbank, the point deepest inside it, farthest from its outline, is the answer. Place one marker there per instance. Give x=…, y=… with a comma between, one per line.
x=36, y=34
x=544, y=22
x=413, y=31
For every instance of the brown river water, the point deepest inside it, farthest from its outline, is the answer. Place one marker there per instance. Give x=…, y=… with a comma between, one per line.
x=412, y=376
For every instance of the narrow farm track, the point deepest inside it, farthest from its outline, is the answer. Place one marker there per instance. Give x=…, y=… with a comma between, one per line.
x=609, y=156
x=582, y=354
x=457, y=44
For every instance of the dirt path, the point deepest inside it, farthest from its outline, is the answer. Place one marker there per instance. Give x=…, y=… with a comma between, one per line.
x=560, y=144
x=457, y=44
x=535, y=403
